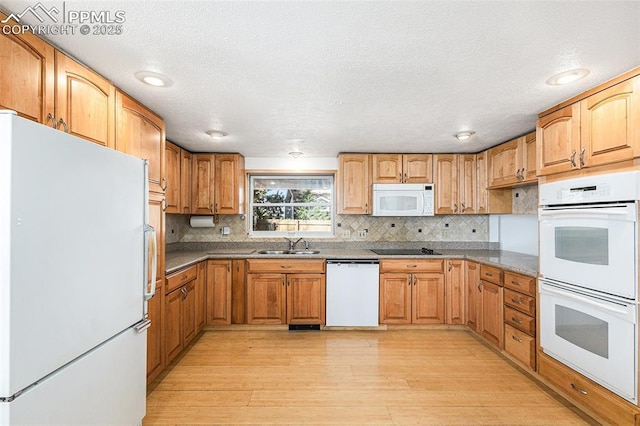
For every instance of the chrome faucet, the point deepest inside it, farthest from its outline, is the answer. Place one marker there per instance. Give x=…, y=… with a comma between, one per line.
x=292, y=244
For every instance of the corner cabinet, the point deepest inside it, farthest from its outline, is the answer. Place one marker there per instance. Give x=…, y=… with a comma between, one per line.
x=283, y=291
x=354, y=184
x=513, y=163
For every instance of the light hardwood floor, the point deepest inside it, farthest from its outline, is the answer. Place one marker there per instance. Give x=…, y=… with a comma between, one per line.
x=430, y=377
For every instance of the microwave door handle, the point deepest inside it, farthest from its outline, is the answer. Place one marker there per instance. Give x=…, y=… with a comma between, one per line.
x=603, y=306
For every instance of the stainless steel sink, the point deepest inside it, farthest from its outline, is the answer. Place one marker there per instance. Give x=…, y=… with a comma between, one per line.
x=296, y=252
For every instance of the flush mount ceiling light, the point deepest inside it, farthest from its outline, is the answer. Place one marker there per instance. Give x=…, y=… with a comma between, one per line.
x=216, y=134
x=153, y=78
x=296, y=154
x=567, y=77
x=463, y=136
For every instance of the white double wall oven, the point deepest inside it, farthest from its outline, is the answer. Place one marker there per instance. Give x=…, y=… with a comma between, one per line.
x=589, y=277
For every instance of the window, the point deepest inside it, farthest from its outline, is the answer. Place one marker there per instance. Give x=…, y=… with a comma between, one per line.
x=291, y=205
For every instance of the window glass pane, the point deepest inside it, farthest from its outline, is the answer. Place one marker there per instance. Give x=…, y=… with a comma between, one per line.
x=588, y=332
x=582, y=244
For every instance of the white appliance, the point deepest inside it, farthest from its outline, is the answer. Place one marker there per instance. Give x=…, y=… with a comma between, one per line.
x=352, y=293
x=589, y=277
x=73, y=279
x=403, y=199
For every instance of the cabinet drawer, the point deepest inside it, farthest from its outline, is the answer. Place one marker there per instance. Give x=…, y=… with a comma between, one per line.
x=180, y=278
x=491, y=274
x=521, y=283
x=519, y=301
x=586, y=394
x=522, y=322
x=412, y=265
x=286, y=265
x=520, y=345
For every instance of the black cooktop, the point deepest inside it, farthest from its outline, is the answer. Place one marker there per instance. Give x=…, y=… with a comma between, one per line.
x=406, y=252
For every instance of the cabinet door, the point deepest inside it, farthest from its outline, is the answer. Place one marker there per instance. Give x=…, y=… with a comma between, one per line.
x=610, y=125
x=387, y=168
x=218, y=292
x=172, y=166
x=467, y=184
x=85, y=102
x=238, y=292
x=141, y=133
x=354, y=184
x=492, y=327
x=473, y=295
x=427, y=302
x=529, y=159
x=558, y=140
x=395, y=298
x=185, y=182
x=446, y=182
x=189, y=313
x=229, y=184
x=305, y=298
x=172, y=325
x=504, y=164
x=155, y=343
x=202, y=182
x=27, y=76
x=201, y=298
x=455, y=292
x=266, y=295
x=417, y=168
x=156, y=219
x=482, y=206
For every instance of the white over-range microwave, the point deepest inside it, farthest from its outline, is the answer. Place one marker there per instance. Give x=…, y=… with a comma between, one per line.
x=403, y=199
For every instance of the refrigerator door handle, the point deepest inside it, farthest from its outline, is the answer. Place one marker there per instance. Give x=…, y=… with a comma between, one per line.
x=148, y=293
x=142, y=325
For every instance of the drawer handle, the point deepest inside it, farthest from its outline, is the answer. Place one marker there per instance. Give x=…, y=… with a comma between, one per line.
x=285, y=266
x=516, y=301
x=489, y=274
x=577, y=389
x=516, y=320
x=516, y=283
x=516, y=339
x=412, y=266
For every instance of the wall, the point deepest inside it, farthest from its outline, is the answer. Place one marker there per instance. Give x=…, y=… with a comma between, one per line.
x=518, y=232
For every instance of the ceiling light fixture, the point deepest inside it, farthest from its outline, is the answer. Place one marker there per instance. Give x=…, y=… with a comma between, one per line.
x=153, y=78
x=296, y=154
x=463, y=136
x=216, y=134
x=567, y=77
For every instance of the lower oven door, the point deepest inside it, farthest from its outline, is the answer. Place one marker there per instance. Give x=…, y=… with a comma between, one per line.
x=596, y=336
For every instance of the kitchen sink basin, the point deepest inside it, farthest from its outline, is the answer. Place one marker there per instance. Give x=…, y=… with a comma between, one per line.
x=297, y=252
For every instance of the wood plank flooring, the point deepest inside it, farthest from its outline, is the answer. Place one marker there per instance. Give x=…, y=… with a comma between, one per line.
x=429, y=377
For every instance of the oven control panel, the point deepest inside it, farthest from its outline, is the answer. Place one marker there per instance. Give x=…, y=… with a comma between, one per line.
x=612, y=187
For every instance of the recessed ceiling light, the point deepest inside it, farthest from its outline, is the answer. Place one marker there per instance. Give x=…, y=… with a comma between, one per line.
x=463, y=136
x=567, y=77
x=153, y=78
x=216, y=134
x=296, y=154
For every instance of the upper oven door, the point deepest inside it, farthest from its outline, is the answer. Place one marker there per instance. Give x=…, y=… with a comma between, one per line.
x=592, y=247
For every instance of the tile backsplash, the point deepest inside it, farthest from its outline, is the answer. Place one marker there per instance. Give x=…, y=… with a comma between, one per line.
x=525, y=200
x=348, y=227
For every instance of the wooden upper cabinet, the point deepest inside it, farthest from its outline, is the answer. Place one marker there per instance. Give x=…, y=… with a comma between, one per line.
x=529, y=159
x=185, y=182
x=558, y=140
x=402, y=168
x=446, y=183
x=229, y=184
x=467, y=184
x=610, y=125
x=202, y=181
x=513, y=163
x=85, y=103
x=140, y=133
x=354, y=184
x=172, y=166
x=27, y=76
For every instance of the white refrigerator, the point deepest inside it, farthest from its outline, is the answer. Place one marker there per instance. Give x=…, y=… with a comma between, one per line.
x=76, y=255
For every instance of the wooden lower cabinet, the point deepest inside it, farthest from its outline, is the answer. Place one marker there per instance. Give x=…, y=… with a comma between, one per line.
x=238, y=292
x=520, y=318
x=218, y=292
x=589, y=396
x=266, y=298
x=472, y=290
x=201, y=296
x=455, y=296
x=491, y=316
x=305, y=298
x=180, y=317
x=155, y=335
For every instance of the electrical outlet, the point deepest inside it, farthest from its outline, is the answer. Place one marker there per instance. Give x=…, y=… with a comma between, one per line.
x=346, y=233
x=445, y=233
x=362, y=233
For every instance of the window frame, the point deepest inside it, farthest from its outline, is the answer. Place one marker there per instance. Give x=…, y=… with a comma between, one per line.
x=251, y=176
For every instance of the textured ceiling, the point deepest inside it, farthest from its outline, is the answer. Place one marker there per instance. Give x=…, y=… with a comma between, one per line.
x=374, y=76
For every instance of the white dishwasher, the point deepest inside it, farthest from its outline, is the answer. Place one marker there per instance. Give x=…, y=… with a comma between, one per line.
x=352, y=292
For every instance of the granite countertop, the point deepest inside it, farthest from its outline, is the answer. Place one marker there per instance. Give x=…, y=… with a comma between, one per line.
x=511, y=261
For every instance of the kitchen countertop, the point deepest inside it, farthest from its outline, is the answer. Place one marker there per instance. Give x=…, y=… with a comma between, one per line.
x=511, y=261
